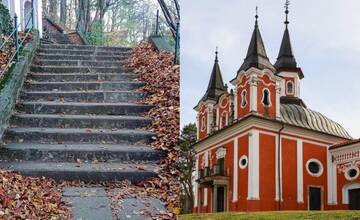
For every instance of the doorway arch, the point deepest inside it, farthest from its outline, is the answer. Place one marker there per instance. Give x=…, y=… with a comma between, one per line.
x=27, y=15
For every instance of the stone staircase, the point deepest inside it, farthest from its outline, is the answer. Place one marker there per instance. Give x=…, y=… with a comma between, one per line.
x=77, y=118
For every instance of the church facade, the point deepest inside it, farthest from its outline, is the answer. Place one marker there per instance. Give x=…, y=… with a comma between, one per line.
x=261, y=148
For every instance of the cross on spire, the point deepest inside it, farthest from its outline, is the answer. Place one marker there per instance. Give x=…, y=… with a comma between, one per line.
x=286, y=6
x=256, y=15
x=216, y=54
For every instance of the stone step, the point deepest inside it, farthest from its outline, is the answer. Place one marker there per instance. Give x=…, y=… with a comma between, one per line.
x=79, y=121
x=77, y=77
x=80, y=57
x=85, y=47
x=83, y=52
x=79, y=63
x=79, y=86
x=83, y=96
x=78, y=69
x=75, y=152
x=88, y=172
x=78, y=108
x=76, y=135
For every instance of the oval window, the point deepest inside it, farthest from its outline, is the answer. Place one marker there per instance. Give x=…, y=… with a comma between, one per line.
x=314, y=167
x=243, y=162
x=352, y=173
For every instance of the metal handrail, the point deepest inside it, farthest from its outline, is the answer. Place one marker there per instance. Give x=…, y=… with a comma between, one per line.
x=15, y=33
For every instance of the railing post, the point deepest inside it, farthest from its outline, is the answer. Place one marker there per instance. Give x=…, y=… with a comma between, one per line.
x=16, y=39
x=177, y=43
x=32, y=14
x=157, y=23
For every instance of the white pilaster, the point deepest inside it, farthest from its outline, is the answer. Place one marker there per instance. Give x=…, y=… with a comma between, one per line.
x=197, y=127
x=236, y=176
x=235, y=103
x=206, y=158
x=253, y=174
x=277, y=167
x=278, y=90
x=205, y=197
x=331, y=181
x=218, y=119
x=17, y=12
x=196, y=176
x=39, y=17
x=253, y=94
x=300, y=177
x=209, y=118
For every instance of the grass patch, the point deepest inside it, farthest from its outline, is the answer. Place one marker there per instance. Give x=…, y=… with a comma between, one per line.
x=283, y=215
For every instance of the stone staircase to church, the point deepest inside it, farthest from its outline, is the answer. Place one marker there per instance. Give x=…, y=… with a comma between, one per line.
x=77, y=118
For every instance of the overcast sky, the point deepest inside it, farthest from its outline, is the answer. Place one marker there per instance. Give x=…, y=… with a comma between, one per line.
x=325, y=36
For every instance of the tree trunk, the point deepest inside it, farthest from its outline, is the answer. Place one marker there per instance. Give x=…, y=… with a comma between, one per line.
x=53, y=8
x=63, y=10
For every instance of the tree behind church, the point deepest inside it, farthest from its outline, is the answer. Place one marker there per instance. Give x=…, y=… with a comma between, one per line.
x=187, y=165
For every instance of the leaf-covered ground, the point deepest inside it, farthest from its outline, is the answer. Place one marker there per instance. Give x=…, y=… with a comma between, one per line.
x=162, y=83
x=9, y=49
x=30, y=198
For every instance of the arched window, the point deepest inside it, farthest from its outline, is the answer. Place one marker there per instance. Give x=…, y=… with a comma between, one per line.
x=203, y=126
x=243, y=99
x=290, y=87
x=266, y=98
x=27, y=15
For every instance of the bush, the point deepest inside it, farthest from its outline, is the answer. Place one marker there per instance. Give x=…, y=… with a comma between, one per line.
x=96, y=36
x=5, y=20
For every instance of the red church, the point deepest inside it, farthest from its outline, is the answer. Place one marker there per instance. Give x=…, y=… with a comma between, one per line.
x=260, y=147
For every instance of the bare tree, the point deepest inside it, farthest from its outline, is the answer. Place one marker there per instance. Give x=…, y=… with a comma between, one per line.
x=63, y=11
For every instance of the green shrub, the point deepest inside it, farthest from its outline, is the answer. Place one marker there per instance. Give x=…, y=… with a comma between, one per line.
x=96, y=36
x=5, y=20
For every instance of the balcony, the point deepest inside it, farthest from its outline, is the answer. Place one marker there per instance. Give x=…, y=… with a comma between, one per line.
x=215, y=175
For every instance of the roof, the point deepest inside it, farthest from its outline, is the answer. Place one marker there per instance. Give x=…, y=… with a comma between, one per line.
x=256, y=54
x=286, y=57
x=306, y=118
x=216, y=85
x=344, y=144
x=292, y=100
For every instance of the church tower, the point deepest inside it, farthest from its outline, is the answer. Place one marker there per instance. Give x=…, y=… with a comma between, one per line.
x=256, y=85
x=287, y=68
x=207, y=118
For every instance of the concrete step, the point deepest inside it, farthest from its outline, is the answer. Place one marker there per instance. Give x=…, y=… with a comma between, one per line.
x=80, y=86
x=76, y=135
x=83, y=96
x=78, y=108
x=77, y=69
x=75, y=152
x=79, y=121
x=83, y=52
x=88, y=172
x=77, y=77
x=85, y=47
x=79, y=63
x=80, y=57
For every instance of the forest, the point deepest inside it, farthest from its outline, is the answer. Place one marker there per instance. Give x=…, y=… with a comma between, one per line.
x=115, y=22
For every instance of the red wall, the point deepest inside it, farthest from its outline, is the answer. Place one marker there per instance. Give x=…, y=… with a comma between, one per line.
x=270, y=111
x=289, y=174
x=202, y=113
x=317, y=152
x=243, y=111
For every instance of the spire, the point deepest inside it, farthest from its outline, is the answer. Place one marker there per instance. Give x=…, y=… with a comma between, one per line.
x=216, y=85
x=256, y=54
x=286, y=58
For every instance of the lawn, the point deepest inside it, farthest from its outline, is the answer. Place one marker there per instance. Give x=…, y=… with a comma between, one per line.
x=275, y=215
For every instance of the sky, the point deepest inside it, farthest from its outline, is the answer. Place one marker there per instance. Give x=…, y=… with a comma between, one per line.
x=325, y=36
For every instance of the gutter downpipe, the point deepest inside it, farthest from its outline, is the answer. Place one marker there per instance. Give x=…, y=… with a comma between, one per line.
x=278, y=168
